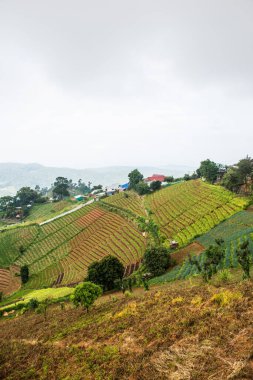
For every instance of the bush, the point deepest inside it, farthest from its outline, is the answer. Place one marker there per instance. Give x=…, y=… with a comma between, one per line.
x=156, y=185
x=142, y=188
x=244, y=257
x=33, y=304
x=156, y=260
x=106, y=272
x=42, y=307
x=85, y=294
x=224, y=276
x=24, y=273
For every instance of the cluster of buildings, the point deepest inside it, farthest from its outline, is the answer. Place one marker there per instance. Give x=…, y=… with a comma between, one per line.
x=108, y=191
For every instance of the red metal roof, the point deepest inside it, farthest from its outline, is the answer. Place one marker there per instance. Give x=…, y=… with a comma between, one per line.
x=155, y=177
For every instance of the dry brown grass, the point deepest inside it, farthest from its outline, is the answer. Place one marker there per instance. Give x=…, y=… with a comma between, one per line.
x=177, y=332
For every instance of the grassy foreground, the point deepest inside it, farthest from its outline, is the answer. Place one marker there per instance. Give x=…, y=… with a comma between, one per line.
x=184, y=330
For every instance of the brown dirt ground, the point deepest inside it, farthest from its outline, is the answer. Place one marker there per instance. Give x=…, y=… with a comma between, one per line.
x=175, y=331
x=193, y=248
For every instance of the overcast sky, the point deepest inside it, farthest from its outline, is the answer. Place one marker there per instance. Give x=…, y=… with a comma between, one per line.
x=136, y=82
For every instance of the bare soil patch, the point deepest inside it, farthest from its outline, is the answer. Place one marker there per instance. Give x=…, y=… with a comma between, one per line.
x=193, y=248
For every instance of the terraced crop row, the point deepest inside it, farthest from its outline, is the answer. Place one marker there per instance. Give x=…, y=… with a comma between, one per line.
x=66, y=247
x=191, y=208
x=11, y=240
x=4, y=279
x=127, y=200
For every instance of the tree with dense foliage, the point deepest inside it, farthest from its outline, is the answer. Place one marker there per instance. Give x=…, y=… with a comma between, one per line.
x=134, y=178
x=232, y=180
x=156, y=260
x=245, y=168
x=169, y=179
x=26, y=196
x=7, y=206
x=60, y=189
x=209, y=170
x=24, y=273
x=142, y=188
x=238, y=175
x=82, y=187
x=155, y=185
x=86, y=294
x=187, y=177
x=105, y=272
x=244, y=257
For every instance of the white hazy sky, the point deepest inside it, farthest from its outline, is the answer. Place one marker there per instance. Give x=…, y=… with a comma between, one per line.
x=136, y=82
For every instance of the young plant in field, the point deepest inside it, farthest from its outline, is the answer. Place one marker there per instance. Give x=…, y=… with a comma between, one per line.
x=244, y=258
x=86, y=294
x=42, y=307
x=145, y=277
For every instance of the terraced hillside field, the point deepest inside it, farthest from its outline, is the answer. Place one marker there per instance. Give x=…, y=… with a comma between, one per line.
x=12, y=240
x=233, y=231
x=9, y=282
x=191, y=208
x=63, y=249
x=128, y=200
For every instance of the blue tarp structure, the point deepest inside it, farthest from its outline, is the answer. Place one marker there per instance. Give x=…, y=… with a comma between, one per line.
x=124, y=186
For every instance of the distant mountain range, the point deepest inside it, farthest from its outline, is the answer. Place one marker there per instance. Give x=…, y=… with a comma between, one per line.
x=13, y=175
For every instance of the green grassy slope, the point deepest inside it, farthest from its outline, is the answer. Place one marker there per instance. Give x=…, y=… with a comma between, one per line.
x=42, y=212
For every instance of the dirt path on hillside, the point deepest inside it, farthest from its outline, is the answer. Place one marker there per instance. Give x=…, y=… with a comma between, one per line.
x=67, y=212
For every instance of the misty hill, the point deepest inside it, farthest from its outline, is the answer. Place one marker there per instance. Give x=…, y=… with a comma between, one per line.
x=14, y=175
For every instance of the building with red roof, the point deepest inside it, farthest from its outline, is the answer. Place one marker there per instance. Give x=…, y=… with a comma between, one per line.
x=155, y=177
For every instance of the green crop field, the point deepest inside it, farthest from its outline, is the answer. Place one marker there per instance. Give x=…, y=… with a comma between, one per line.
x=128, y=200
x=191, y=208
x=233, y=231
x=11, y=240
x=40, y=295
x=59, y=252
x=45, y=211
